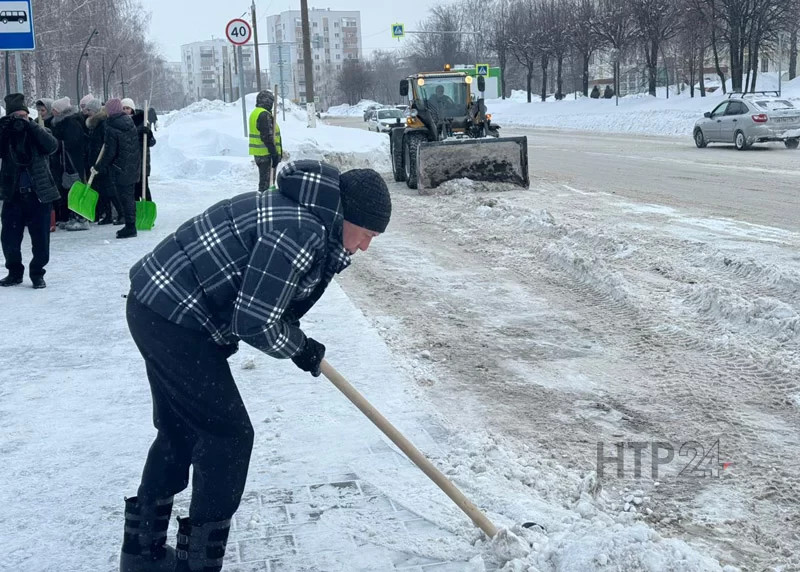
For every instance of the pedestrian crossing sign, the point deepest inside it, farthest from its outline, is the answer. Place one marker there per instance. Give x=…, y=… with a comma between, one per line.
x=482, y=69
x=398, y=31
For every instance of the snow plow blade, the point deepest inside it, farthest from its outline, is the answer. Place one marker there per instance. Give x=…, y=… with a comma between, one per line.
x=493, y=159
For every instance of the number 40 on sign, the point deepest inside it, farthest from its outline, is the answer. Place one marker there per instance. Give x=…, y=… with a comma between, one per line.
x=238, y=32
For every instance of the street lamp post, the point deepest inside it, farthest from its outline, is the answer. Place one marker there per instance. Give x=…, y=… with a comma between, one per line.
x=78, y=71
x=110, y=73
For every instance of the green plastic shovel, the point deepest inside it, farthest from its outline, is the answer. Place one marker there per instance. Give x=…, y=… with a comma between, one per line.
x=82, y=198
x=146, y=211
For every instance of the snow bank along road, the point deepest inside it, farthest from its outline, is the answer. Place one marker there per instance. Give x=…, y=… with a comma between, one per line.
x=566, y=316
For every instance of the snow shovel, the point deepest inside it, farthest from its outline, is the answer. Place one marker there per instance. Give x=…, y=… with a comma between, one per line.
x=146, y=211
x=480, y=519
x=82, y=198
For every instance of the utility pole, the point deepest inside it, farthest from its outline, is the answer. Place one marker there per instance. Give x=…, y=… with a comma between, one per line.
x=18, y=63
x=105, y=95
x=240, y=68
x=283, y=86
x=8, y=75
x=308, y=62
x=255, y=39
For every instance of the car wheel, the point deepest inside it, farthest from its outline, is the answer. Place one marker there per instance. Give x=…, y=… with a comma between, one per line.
x=740, y=141
x=5, y=20
x=699, y=139
x=792, y=143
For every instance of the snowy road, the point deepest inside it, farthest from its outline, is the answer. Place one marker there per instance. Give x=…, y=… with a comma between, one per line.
x=561, y=317
x=759, y=185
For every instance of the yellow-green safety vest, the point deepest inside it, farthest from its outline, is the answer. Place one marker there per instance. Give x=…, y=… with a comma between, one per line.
x=257, y=147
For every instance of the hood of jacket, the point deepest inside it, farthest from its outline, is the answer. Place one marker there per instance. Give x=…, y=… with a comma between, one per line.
x=48, y=104
x=315, y=186
x=96, y=119
x=121, y=123
x=138, y=117
x=62, y=116
x=265, y=99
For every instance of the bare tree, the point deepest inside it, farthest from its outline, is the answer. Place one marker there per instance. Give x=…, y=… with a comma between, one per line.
x=355, y=81
x=387, y=73
x=499, y=37
x=441, y=43
x=523, y=38
x=616, y=26
x=657, y=21
x=585, y=41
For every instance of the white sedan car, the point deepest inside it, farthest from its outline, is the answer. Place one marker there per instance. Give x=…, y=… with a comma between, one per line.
x=383, y=120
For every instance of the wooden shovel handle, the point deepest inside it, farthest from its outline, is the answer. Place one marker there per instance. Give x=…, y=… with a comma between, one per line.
x=99, y=158
x=473, y=512
x=144, y=152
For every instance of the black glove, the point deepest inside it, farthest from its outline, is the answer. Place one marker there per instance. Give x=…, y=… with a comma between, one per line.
x=275, y=160
x=310, y=357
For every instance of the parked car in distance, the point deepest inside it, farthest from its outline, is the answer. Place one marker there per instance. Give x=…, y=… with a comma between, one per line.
x=383, y=120
x=746, y=119
x=404, y=108
x=7, y=16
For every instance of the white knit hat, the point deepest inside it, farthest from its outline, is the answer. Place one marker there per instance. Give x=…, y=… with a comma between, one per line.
x=128, y=102
x=61, y=105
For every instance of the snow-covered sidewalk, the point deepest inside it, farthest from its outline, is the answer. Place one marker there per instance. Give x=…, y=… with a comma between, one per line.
x=325, y=490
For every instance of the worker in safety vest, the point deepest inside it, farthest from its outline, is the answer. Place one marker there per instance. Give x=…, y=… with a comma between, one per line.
x=265, y=138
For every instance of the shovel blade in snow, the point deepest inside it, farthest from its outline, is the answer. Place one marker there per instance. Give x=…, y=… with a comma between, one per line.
x=82, y=199
x=146, y=214
x=491, y=159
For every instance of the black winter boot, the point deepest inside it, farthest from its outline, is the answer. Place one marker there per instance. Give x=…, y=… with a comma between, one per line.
x=11, y=280
x=144, y=546
x=201, y=548
x=128, y=231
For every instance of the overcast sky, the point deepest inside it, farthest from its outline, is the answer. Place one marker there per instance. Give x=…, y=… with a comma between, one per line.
x=177, y=22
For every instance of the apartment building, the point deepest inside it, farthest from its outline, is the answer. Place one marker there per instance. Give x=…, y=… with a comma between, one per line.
x=335, y=39
x=210, y=71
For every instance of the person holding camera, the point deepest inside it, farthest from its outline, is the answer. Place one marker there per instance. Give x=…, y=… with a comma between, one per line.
x=27, y=190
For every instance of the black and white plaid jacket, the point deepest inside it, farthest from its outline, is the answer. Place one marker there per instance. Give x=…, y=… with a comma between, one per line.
x=250, y=266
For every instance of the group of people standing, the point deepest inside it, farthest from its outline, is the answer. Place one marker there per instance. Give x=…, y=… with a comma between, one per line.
x=43, y=158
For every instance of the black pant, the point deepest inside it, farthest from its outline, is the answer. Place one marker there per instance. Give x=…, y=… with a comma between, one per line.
x=199, y=414
x=127, y=198
x=21, y=211
x=108, y=197
x=264, y=165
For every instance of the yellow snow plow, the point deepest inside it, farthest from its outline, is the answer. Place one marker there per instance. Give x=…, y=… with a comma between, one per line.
x=448, y=135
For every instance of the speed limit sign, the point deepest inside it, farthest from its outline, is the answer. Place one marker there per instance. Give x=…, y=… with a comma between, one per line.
x=238, y=32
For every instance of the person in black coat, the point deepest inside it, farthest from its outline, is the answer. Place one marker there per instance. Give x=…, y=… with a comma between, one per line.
x=27, y=190
x=96, y=136
x=121, y=162
x=152, y=118
x=68, y=128
x=138, y=120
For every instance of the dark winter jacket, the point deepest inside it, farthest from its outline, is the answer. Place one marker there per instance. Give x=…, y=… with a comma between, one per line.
x=138, y=120
x=26, y=149
x=96, y=136
x=247, y=267
x=55, y=158
x=121, y=158
x=152, y=116
x=266, y=122
x=68, y=128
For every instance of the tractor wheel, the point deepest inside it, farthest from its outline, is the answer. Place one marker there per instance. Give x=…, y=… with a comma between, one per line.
x=398, y=168
x=410, y=146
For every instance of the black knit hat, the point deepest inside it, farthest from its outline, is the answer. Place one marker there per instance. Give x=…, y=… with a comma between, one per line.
x=15, y=102
x=365, y=199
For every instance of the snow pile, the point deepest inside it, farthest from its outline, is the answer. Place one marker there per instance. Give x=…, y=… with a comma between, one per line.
x=206, y=140
x=346, y=110
x=637, y=113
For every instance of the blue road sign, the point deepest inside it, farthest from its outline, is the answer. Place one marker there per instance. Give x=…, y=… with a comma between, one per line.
x=482, y=69
x=398, y=30
x=16, y=25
